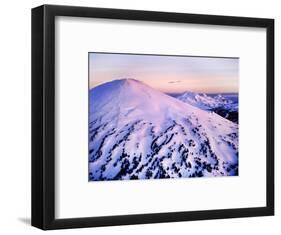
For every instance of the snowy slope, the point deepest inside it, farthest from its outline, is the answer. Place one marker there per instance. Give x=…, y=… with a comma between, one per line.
x=137, y=132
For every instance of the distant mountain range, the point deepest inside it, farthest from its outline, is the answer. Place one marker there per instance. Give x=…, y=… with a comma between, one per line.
x=219, y=104
x=137, y=132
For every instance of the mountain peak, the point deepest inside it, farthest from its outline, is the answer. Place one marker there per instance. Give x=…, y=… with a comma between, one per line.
x=136, y=99
x=117, y=84
x=127, y=81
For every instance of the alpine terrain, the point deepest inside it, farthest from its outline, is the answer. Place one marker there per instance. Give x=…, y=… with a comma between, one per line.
x=137, y=132
x=219, y=104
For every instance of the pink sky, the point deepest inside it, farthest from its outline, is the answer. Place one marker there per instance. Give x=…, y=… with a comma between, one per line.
x=170, y=74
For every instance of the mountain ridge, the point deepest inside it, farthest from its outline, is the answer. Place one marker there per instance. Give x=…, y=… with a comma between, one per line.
x=219, y=104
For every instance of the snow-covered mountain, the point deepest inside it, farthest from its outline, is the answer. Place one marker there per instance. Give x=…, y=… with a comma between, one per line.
x=137, y=132
x=219, y=104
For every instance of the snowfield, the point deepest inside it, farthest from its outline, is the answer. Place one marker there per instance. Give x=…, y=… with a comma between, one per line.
x=137, y=132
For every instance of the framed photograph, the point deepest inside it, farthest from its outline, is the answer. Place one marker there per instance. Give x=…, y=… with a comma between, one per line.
x=147, y=117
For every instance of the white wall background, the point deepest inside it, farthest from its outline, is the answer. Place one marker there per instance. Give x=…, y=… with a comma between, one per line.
x=15, y=48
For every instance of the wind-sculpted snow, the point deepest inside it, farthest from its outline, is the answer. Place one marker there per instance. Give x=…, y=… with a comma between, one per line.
x=136, y=132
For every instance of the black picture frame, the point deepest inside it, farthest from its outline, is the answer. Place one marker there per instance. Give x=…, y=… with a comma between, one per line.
x=43, y=116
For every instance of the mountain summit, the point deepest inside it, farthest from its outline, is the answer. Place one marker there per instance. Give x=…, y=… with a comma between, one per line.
x=137, y=132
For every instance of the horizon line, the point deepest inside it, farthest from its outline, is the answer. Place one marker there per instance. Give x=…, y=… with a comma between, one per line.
x=165, y=92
